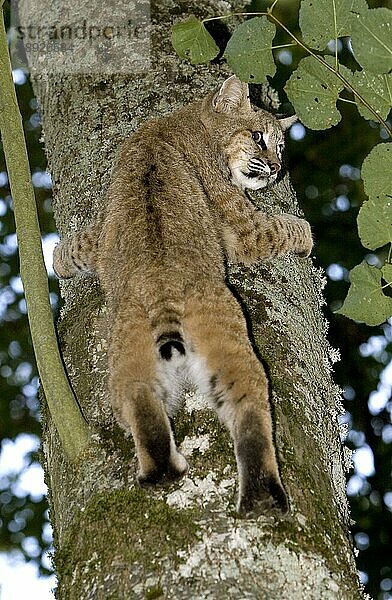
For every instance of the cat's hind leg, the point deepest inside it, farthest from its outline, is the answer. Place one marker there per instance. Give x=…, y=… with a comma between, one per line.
x=133, y=368
x=238, y=388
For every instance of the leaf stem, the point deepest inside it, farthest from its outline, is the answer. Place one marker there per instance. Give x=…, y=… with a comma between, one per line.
x=283, y=46
x=63, y=406
x=237, y=14
x=387, y=86
x=271, y=8
x=347, y=100
x=336, y=36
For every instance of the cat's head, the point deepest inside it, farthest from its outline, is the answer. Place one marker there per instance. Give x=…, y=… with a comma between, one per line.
x=251, y=141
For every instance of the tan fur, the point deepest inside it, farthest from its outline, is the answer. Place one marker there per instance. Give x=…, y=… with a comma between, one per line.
x=175, y=211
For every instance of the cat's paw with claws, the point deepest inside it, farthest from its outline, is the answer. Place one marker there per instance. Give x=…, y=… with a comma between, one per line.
x=263, y=496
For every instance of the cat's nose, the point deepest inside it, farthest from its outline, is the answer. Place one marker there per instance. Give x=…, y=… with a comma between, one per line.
x=274, y=168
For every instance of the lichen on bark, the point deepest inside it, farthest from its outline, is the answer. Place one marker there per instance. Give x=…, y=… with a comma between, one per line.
x=113, y=540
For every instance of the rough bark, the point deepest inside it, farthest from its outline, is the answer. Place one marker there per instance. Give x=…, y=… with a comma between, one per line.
x=112, y=539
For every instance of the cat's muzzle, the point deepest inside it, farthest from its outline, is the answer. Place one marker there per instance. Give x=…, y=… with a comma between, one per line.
x=261, y=169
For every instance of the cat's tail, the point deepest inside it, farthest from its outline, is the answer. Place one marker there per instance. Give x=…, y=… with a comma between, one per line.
x=166, y=323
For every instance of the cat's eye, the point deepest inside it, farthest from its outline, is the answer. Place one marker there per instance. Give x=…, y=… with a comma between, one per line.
x=257, y=136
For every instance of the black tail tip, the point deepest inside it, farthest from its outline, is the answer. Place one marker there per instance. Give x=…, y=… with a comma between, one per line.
x=168, y=342
x=166, y=351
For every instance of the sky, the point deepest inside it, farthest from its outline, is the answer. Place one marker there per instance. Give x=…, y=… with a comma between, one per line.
x=19, y=579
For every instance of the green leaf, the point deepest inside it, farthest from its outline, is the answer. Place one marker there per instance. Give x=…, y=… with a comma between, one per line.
x=192, y=41
x=365, y=299
x=323, y=20
x=371, y=38
x=375, y=223
x=313, y=91
x=375, y=215
x=376, y=171
x=387, y=273
x=375, y=89
x=249, y=50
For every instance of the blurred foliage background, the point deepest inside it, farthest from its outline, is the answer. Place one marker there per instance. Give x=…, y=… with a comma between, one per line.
x=325, y=171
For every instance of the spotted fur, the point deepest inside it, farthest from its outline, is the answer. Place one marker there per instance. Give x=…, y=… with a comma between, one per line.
x=175, y=211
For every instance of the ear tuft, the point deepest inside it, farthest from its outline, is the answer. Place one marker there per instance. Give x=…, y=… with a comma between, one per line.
x=232, y=96
x=288, y=122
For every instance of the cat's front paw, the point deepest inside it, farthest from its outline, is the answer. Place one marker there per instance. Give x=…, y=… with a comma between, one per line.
x=305, y=241
x=59, y=267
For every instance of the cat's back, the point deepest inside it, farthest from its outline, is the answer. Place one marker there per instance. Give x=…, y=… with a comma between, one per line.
x=159, y=221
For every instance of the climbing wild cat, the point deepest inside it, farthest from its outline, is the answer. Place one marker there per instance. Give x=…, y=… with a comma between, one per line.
x=176, y=210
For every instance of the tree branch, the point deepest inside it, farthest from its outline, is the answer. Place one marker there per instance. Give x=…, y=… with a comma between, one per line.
x=63, y=406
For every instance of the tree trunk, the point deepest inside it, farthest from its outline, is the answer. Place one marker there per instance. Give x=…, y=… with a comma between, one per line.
x=113, y=539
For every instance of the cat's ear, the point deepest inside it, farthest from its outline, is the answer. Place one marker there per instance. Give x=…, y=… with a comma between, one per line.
x=232, y=96
x=287, y=122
